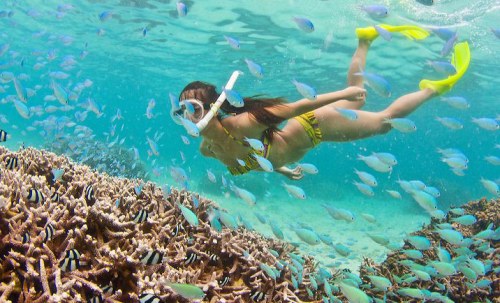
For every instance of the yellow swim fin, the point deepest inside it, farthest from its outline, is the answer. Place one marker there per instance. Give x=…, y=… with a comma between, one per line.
x=460, y=60
x=411, y=32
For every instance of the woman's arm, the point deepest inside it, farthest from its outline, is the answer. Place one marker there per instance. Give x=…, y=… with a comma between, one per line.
x=290, y=110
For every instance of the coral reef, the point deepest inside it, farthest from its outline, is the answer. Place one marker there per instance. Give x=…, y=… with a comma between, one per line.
x=101, y=242
x=90, y=237
x=463, y=285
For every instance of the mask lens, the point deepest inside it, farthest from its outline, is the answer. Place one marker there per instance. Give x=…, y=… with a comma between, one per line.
x=191, y=109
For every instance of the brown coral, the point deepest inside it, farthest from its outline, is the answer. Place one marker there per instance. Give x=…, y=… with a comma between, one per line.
x=102, y=230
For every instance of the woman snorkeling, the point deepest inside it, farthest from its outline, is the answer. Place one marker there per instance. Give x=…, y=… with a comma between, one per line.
x=308, y=123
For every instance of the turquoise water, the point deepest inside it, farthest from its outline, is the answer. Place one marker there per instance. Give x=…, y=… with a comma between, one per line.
x=128, y=68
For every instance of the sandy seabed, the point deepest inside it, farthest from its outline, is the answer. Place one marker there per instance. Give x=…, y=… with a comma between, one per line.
x=97, y=240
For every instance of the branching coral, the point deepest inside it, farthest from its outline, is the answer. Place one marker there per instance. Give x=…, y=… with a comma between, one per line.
x=110, y=244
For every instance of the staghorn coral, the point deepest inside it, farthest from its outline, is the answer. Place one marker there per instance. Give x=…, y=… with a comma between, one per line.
x=456, y=288
x=100, y=224
x=102, y=229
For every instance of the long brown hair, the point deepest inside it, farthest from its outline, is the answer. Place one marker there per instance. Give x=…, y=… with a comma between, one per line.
x=255, y=105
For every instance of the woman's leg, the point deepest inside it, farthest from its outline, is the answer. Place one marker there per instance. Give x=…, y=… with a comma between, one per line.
x=358, y=63
x=334, y=127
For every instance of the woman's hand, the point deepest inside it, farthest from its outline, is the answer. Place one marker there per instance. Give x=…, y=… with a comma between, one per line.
x=355, y=93
x=293, y=174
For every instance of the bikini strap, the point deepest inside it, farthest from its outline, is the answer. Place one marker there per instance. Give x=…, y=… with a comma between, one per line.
x=241, y=142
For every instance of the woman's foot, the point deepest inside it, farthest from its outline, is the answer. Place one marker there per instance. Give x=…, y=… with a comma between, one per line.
x=412, y=32
x=460, y=60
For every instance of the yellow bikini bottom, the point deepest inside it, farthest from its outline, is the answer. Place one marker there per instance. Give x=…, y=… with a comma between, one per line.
x=311, y=126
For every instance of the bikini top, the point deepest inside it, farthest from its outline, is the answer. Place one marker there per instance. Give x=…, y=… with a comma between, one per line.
x=250, y=161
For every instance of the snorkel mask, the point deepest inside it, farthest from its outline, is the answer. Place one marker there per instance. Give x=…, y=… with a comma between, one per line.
x=191, y=112
x=190, y=109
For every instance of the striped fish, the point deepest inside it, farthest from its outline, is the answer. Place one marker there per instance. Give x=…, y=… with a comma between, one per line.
x=149, y=298
x=257, y=295
x=89, y=193
x=73, y=254
x=191, y=257
x=3, y=135
x=49, y=232
x=107, y=289
x=213, y=259
x=151, y=257
x=11, y=163
x=224, y=280
x=26, y=237
x=95, y=299
x=176, y=229
x=68, y=264
x=35, y=196
x=141, y=216
x=55, y=197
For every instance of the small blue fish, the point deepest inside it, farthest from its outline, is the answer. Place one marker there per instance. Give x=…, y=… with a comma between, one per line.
x=304, y=24
x=465, y=220
x=448, y=46
x=305, y=90
x=450, y=123
x=265, y=164
x=349, y=114
x=456, y=102
x=404, y=125
x=255, y=69
x=144, y=31
x=234, y=98
x=486, y=123
x=367, y=178
x=364, y=189
x=20, y=90
x=294, y=191
x=105, y=16
x=190, y=127
x=138, y=189
x=385, y=34
x=375, y=11
x=308, y=168
x=376, y=82
x=233, y=42
x=443, y=67
x=491, y=159
x=22, y=109
x=181, y=9
x=255, y=144
x=496, y=32
x=443, y=33
x=387, y=158
x=57, y=173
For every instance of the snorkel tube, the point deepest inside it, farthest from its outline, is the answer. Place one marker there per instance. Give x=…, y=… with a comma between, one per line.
x=218, y=103
x=192, y=128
